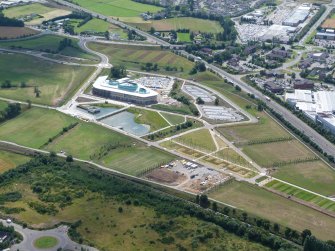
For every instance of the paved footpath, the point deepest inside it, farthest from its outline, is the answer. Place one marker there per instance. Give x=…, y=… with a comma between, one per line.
x=60, y=233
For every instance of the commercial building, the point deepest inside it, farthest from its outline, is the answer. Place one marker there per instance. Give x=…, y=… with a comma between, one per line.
x=298, y=16
x=124, y=90
x=325, y=34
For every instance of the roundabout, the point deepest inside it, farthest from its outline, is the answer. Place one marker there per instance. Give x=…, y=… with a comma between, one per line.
x=46, y=242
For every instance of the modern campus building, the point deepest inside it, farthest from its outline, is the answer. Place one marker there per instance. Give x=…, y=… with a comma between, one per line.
x=124, y=90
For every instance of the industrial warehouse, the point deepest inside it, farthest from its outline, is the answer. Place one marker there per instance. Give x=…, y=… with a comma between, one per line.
x=124, y=90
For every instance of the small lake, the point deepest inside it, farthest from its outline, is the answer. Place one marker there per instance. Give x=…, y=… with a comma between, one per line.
x=126, y=121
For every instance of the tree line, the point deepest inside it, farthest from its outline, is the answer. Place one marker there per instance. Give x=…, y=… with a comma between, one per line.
x=11, y=111
x=6, y=21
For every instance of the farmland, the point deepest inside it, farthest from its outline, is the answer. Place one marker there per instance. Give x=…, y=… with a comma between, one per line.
x=117, y=8
x=136, y=57
x=54, y=81
x=16, y=32
x=265, y=204
x=314, y=175
x=193, y=24
x=301, y=194
x=114, y=214
x=10, y=160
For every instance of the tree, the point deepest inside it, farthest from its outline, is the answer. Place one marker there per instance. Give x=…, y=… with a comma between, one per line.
x=217, y=101
x=305, y=234
x=107, y=35
x=200, y=101
x=215, y=207
x=69, y=158
x=118, y=71
x=276, y=227
x=203, y=201
x=37, y=92
x=29, y=103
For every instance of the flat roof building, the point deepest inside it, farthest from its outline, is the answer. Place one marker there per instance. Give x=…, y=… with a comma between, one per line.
x=124, y=90
x=298, y=16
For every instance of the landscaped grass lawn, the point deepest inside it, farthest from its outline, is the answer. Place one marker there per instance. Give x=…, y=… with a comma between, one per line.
x=200, y=140
x=147, y=117
x=301, y=194
x=136, y=160
x=133, y=57
x=184, y=37
x=87, y=140
x=315, y=176
x=50, y=43
x=173, y=119
x=276, y=152
x=34, y=127
x=194, y=24
x=45, y=242
x=265, y=129
x=27, y=9
x=55, y=81
x=265, y=204
x=9, y=160
x=117, y=8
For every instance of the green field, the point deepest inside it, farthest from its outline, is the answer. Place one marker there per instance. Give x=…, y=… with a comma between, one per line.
x=194, y=24
x=3, y=105
x=135, y=57
x=136, y=160
x=28, y=9
x=265, y=204
x=173, y=119
x=96, y=138
x=232, y=156
x=9, y=160
x=50, y=43
x=278, y=152
x=301, y=194
x=200, y=140
x=34, y=127
x=265, y=129
x=183, y=37
x=315, y=176
x=45, y=242
x=55, y=81
x=117, y=8
x=95, y=200
x=148, y=117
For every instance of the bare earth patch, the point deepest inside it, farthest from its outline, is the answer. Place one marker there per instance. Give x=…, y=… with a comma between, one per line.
x=16, y=32
x=329, y=23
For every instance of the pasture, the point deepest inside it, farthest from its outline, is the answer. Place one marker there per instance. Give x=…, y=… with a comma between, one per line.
x=301, y=194
x=271, y=154
x=136, y=160
x=54, y=81
x=136, y=57
x=97, y=139
x=191, y=23
x=314, y=175
x=34, y=127
x=9, y=160
x=16, y=32
x=200, y=140
x=257, y=201
x=265, y=129
x=118, y=8
x=148, y=117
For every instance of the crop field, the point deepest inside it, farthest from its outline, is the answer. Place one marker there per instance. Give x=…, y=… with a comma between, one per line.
x=265, y=129
x=301, y=194
x=96, y=202
x=136, y=160
x=257, y=201
x=49, y=43
x=15, y=32
x=135, y=57
x=54, y=81
x=193, y=24
x=95, y=145
x=154, y=119
x=278, y=152
x=10, y=160
x=314, y=175
x=200, y=140
x=34, y=127
x=173, y=119
x=118, y=8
